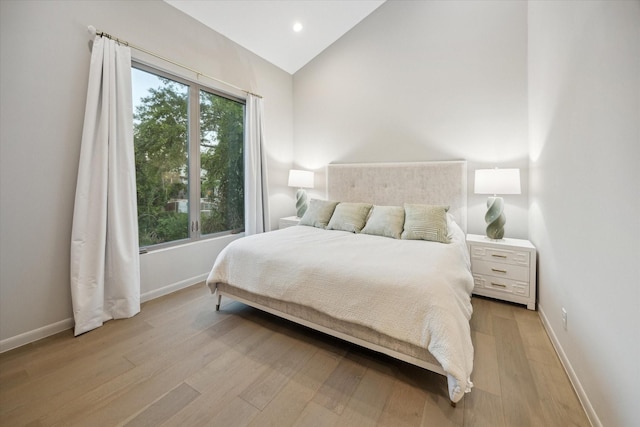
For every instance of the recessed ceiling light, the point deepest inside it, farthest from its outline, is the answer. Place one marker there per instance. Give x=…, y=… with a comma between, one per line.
x=297, y=27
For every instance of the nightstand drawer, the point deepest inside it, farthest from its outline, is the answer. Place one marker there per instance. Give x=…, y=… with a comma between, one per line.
x=506, y=256
x=506, y=271
x=498, y=284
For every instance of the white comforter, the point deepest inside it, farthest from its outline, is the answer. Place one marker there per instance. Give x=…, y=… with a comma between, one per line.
x=415, y=291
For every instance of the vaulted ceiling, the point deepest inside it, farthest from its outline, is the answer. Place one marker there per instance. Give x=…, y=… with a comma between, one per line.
x=265, y=27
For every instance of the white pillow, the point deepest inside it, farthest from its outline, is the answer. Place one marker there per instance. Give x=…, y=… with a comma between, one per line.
x=451, y=223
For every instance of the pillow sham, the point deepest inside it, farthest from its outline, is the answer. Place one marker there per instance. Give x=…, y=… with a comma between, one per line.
x=426, y=222
x=318, y=213
x=349, y=217
x=450, y=220
x=386, y=221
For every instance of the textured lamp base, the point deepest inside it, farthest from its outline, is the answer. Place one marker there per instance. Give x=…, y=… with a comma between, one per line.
x=301, y=202
x=495, y=218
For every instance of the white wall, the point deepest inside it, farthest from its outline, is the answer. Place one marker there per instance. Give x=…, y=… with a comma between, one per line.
x=422, y=80
x=43, y=77
x=584, y=93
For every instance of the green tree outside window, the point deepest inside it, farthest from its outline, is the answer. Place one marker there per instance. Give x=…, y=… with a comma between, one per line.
x=162, y=127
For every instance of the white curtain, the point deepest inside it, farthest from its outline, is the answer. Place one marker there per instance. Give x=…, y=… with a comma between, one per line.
x=105, y=265
x=256, y=198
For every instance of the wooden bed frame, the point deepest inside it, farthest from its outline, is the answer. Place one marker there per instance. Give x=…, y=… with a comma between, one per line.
x=442, y=183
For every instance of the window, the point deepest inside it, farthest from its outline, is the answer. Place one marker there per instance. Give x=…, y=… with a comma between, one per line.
x=189, y=159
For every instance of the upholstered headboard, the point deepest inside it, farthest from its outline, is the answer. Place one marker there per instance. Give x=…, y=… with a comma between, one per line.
x=441, y=183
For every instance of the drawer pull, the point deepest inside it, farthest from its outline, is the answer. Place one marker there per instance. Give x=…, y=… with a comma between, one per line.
x=498, y=256
x=498, y=271
x=498, y=284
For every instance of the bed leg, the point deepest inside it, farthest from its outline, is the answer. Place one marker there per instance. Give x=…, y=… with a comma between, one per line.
x=453, y=404
x=219, y=300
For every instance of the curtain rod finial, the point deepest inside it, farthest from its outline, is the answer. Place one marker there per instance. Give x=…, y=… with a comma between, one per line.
x=92, y=30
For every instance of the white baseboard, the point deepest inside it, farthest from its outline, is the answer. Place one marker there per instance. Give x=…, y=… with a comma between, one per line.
x=63, y=325
x=575, y=382
x=35, y=335
x=166, y=290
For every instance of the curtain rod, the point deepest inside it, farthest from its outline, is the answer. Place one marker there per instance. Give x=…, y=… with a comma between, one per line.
x=94, y=32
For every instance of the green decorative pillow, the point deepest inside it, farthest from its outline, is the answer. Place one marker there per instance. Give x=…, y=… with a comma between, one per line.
x=318, y=213
x=349, y=217
x=426, y=222
x=386, y=221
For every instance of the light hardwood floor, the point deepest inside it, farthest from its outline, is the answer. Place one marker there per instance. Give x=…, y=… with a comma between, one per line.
x=181, y=363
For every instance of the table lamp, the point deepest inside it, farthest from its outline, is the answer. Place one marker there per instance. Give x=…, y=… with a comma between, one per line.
x=301, y=180
x=496, y=181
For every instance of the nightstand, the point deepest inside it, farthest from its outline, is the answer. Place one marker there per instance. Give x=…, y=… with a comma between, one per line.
x=288, y=222
x=504, y=269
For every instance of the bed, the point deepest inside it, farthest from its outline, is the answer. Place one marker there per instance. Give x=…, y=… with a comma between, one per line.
x=409, y=299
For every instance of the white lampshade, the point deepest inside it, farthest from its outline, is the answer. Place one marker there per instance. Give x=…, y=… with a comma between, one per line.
x=497, y=181
x=300, y=179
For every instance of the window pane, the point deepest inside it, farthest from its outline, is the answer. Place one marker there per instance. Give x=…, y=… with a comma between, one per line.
x=160, y=129
x=221, y=164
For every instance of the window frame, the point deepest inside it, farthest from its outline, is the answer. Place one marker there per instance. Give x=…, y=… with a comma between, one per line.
x=193, y=156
